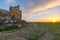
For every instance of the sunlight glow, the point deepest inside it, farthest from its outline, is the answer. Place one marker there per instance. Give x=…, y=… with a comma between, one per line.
x=53, y=19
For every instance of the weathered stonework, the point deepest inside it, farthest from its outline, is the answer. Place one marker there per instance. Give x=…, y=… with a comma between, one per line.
x=13, y=16
x=13, y=11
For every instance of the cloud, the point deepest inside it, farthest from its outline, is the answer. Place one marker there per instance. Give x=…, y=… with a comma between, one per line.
x=9, y=1
x=45, y=4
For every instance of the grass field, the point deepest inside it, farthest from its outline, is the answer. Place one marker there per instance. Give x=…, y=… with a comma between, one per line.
x=54, y=28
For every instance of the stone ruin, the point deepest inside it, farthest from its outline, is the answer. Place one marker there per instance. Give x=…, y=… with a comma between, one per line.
x=13, y=16
x=14, y=13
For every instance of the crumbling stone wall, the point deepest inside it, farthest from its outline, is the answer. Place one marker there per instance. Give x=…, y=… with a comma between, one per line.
x=15, y=11
x=14, y=14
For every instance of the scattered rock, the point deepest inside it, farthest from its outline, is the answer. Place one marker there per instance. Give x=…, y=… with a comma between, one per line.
x=19, y=25
x=30, y=31
x=45, y=36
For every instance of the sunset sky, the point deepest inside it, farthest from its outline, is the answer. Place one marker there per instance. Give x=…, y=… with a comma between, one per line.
x=35, y=10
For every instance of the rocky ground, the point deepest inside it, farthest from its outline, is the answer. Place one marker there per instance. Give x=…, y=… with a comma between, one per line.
x=30, y=32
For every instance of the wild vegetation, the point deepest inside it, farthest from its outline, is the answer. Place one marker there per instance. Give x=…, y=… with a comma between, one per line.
x=54, y=28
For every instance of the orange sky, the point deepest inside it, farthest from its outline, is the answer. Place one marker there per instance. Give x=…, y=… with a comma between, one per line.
x=50, y=19
x=43, y=11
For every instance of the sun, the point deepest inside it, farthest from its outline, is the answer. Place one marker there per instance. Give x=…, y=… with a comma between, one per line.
x=53, y=19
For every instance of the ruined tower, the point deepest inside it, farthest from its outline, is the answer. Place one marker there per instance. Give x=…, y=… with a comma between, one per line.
x=15, y=11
